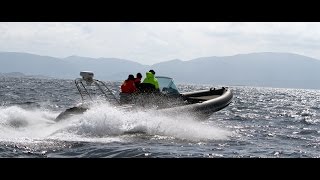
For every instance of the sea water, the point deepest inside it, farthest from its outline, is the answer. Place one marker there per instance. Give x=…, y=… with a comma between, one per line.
x=260, y=122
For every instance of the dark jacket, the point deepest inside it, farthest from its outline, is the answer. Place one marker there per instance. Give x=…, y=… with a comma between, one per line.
x=137, y=81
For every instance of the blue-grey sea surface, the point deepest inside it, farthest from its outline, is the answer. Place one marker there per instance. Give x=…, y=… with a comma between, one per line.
x=260, y=122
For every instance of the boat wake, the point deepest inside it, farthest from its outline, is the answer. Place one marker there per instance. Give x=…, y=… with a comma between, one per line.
x=101, y=123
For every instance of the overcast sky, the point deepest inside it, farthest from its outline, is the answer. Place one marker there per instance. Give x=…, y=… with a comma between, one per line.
x=153, y=42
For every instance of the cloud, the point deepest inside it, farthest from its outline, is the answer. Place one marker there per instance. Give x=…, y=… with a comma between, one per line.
x=152, y=42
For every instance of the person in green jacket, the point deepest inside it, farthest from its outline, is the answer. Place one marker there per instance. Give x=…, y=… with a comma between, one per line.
x=151, y=79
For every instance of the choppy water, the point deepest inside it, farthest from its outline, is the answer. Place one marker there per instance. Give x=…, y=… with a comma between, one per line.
x=260, y=122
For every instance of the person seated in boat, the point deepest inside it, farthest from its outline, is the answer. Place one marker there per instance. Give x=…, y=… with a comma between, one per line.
x=137, y=80
x=128, y=86
x=150, y=83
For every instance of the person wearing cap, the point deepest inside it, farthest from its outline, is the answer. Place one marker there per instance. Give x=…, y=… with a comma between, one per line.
x=128, y=85
x=153, y=72
x=150, y=78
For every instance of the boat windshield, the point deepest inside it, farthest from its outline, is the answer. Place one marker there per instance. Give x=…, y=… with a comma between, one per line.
x=167, y=85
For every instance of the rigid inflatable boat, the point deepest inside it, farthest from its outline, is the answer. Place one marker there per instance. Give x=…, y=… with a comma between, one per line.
x=168, y=99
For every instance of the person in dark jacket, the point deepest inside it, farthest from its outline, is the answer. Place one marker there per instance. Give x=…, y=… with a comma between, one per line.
x=137, y=80
x=128, y=85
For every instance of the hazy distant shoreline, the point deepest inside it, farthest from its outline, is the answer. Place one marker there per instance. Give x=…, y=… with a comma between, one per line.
x=19, y=75
x=267, y=69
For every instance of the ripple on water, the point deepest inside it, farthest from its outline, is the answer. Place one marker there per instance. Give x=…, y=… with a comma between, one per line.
x=265, y=122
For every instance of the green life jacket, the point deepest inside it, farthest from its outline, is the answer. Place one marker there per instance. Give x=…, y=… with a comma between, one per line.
x=151, y=79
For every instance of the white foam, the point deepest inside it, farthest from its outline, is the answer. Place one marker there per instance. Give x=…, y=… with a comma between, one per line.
x=105, y=120
x=16, y=122
x=102, y=123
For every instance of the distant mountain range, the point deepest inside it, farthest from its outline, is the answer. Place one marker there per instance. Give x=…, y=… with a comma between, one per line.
x=267, y=69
